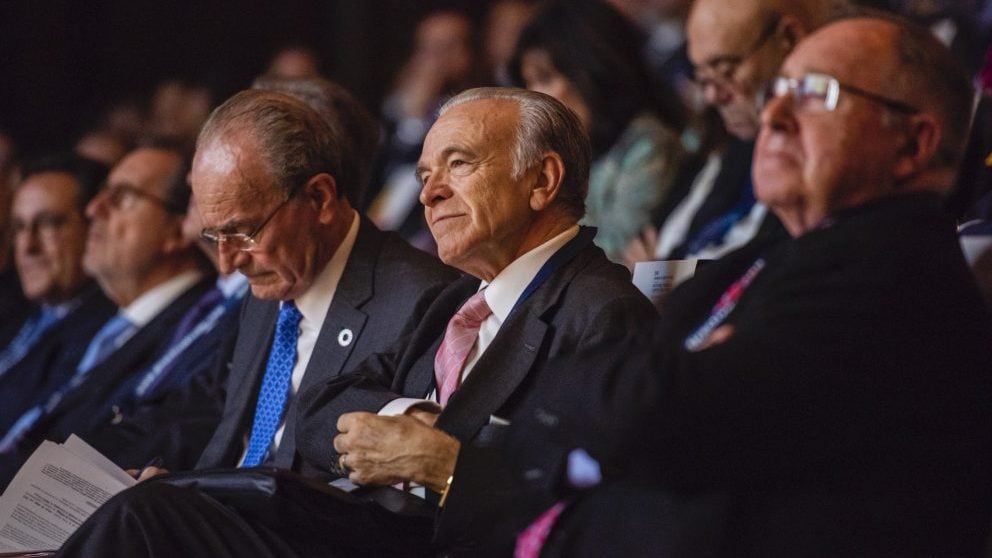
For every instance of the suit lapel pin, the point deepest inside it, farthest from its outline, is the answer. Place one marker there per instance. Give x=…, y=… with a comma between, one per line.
x=345, y=337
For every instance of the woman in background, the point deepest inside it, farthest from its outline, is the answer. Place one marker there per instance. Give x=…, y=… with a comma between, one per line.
x=589, y=57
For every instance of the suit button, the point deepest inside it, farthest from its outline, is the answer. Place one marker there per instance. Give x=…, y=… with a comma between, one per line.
x=533, y=474
x=547, y=419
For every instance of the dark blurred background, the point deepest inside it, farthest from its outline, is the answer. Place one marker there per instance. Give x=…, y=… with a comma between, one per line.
x=63, y=62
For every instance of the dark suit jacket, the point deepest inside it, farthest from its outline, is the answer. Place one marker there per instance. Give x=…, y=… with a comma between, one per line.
x=384, y=290
x=89, y=399
x=176, y=421
x=849, y=414
x=586, y=302
x=14, y=308
x=53, y=360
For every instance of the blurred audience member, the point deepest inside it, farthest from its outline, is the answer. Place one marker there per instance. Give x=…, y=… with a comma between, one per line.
x=136, y=251
x=734, y=53
x=170, y=409
x=13, y=306
x=665, y=50
x=50, y=226
x=827, y=394
x=102, y=146
x=504, y=22
x=294, y=62
x=443, y=62
x=178, y=109
x=633, y=124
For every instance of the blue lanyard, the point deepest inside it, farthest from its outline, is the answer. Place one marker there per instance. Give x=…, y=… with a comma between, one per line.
x=558, y=259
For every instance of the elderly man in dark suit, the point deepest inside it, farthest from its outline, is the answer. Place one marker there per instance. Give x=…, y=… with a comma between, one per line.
x=825, y=395
x=49, y=233
x=504, y=174
x=273, y=189
x=178, y=424
x=136, y=252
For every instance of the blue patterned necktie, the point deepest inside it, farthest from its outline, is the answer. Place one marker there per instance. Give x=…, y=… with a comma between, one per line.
x=27, y=338
x=275, y=385
x=105, y=342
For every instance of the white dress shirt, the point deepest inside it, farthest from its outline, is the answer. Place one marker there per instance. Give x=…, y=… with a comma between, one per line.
x=502, y=294
x=313, y=305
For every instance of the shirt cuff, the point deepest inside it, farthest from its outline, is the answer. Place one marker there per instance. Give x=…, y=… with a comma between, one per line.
x=401, y=405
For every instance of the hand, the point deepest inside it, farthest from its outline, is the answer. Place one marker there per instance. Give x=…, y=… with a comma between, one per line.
x=719, y=335
x=388, y=450
x=641, y=248
x=147, y=473
x=426, y=416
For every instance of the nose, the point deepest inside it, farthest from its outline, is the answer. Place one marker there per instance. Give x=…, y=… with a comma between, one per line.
x=717, y=93
x=778, y=113
x=434, y=190
x=26, y=240
x=229, y=259
x=97, y=206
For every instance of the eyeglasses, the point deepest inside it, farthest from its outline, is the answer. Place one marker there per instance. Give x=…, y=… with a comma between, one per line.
x=241, y=241
x=814, y=93
x=45, y=224
x=722, y=69
x=123, y=196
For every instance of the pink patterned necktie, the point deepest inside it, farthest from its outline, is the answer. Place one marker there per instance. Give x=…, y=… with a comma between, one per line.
x=459, y=337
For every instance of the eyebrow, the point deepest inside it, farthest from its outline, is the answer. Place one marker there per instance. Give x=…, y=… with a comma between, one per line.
x=445, y=153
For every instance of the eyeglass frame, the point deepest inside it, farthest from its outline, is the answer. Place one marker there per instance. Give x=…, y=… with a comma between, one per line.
x=115, y=195
x=722, y=78
x=216, y=237
x=832, y=95
x=44, y=224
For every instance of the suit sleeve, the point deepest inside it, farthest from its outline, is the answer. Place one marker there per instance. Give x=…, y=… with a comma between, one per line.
x=483, y=489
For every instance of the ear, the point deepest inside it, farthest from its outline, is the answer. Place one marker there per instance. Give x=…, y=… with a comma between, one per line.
x=547, y=183
x=175, y=240
x=321, y=191
x=791, y=31
x=922, y=142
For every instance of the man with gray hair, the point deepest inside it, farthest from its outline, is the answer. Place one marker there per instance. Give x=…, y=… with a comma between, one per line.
x=504, y=173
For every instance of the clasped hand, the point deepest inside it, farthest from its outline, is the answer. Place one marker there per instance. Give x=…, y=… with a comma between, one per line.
x=388, y=450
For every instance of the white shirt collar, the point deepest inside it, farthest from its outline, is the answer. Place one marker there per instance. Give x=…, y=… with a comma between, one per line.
x=314, y=303
x=505, y=289
x=154, y=300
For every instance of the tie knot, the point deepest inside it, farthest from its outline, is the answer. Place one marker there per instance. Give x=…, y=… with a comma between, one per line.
x=475, y=309
x=289, y=314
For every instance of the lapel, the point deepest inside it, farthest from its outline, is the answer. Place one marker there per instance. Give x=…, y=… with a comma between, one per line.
x=510, y=358
x=126, y=362
x=248, y=364
x=340, y=331
x=418, y=380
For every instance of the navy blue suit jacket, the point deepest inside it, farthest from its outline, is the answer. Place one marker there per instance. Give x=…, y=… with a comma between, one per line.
x=53, y=360
x=89, y=399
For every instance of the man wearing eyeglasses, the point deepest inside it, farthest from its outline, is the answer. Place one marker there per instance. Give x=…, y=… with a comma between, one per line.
x=825, y=395
x=735, y=50
x=136, y=252
x=49, y=232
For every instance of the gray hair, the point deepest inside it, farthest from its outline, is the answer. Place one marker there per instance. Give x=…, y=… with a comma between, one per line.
x=545, y=125
x=349, y=120
x=295, y=142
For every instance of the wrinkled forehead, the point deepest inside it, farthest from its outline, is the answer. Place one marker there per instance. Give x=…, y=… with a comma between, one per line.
x=147, y=169
x=716, y=30
x=48, y=190
x=229, y=170
x=488, y=123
